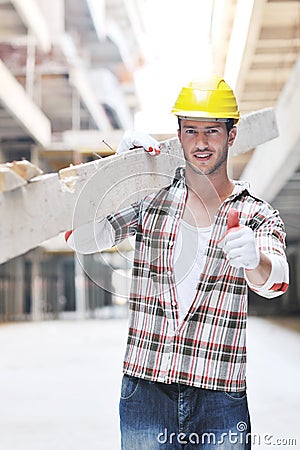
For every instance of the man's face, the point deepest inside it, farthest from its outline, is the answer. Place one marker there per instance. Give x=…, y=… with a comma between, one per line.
x=205, y=145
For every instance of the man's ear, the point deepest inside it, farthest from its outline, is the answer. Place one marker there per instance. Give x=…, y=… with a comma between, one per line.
x=231, y=136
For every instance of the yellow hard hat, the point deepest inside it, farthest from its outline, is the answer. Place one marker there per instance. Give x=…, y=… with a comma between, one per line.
x=209, y=99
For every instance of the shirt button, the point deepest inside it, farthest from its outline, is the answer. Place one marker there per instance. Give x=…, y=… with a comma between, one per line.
x=171, y=244
x=169, y=272
x=174, y=304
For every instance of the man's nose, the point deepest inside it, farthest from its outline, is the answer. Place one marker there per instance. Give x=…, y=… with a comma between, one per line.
x=201, y=141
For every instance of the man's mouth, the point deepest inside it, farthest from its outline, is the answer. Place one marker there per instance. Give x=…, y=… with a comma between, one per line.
x=203, y=156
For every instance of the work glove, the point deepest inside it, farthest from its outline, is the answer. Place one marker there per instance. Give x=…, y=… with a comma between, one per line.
x=134, y=139
x=239, y=244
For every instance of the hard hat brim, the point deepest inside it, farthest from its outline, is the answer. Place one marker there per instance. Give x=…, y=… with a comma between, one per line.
x=203, y=116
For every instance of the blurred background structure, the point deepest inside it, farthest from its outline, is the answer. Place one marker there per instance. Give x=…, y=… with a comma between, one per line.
x=75, y=73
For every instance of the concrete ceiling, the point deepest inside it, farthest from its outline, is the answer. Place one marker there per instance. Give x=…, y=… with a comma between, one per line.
x=67, y=68
x=259, y=55
x=61, y=70
x=257, y=52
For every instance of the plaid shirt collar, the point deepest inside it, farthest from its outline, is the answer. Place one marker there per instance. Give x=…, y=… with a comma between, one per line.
x=240, y=185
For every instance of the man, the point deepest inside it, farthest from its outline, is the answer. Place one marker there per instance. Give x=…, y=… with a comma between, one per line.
x=200, y=243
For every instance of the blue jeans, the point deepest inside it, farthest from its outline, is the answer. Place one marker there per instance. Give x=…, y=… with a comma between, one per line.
x=158, y=416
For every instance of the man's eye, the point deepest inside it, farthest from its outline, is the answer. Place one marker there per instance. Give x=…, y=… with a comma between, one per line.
x=212, y=131
x=191, y=131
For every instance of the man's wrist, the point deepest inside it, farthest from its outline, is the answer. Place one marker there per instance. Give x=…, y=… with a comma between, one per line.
x=259, y=275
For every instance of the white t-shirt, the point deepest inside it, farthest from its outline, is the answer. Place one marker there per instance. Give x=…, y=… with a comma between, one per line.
x=189, y=260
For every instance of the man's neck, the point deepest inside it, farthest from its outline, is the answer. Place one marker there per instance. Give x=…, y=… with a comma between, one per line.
x=209, y=186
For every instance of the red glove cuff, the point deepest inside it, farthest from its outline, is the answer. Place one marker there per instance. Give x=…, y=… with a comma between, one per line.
x=68, y=234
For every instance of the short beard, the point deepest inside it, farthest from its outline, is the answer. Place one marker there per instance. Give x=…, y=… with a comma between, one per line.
x=214, y=168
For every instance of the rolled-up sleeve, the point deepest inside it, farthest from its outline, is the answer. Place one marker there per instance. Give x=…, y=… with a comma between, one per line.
x=92, y=237
x=270, y=235
x=278, y=281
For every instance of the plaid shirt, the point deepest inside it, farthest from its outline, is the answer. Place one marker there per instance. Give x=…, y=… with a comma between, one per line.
x=207, y=349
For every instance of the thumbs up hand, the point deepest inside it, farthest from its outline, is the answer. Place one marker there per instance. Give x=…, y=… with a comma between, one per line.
x=239, y=244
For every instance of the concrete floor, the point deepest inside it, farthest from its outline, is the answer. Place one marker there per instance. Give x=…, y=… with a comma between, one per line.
x=60, y=382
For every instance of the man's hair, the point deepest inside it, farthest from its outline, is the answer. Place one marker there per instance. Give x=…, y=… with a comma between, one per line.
x=229, y=124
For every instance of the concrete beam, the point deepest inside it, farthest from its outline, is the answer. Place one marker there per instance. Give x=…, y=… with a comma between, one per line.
x=9, y=180
x=253, y=129
x=34, y=20
x=135, y=13
x=78, y=79
x=98, y=15
x=273, y=163
x=245, y=33
x=50, y=204
x=54, y=14
x=16, y=174
x=53, y=203
x=107, y=89
x=14, y=98
x=118, y=37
